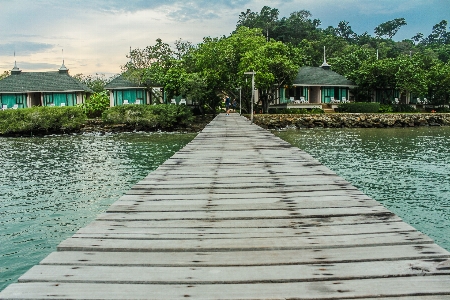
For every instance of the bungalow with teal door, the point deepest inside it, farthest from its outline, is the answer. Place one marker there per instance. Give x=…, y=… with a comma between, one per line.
x=123, y=91
x=317, y=85
x=27, y=89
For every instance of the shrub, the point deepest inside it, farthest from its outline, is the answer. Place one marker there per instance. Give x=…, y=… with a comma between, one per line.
x=384, y=108
x=295, y=111
x=161, y=116
x=440, y=109
x=96, y=104
x=404, y=108
x=359, y=107
x=41, y=120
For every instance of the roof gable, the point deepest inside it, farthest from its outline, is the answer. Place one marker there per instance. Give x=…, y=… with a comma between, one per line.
x=41, y=82
x=318, y=76
x=121, y=82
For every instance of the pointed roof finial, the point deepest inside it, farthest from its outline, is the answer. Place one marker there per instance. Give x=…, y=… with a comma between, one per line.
x=63, y=69
x=325, y=65
x=15, y=69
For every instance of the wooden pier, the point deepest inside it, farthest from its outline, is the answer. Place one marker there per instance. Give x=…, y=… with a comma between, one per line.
x=240, y=214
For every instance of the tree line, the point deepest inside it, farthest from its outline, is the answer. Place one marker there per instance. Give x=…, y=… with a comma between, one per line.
x=275, y=47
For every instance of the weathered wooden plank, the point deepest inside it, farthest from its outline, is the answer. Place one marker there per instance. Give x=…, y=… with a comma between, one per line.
x=256, y=244
x=235, y=275
x=292, y=213
x=262, y=181
x=245, y=196
x=380, y=287
x=254, y=223
x=250, y=258
x=198, y=205
x=261, y=191
x=239, y=232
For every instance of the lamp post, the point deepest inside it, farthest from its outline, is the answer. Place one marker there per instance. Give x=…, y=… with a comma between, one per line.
x=253, y=94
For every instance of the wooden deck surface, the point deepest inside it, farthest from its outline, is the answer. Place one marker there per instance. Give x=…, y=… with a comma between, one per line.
x=241, y=214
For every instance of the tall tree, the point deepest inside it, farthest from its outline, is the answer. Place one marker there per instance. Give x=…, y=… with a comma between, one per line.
x=389, y=28
x=275, y=64
x=345, y=31
x=265, y=20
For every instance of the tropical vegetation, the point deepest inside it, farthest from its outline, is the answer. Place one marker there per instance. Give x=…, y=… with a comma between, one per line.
x=41, y=120
x=275, y=47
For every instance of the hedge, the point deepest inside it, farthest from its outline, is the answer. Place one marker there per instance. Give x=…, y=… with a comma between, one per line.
x=40, y=120
x=161, y=116
x=295, y=111
x=359, y=107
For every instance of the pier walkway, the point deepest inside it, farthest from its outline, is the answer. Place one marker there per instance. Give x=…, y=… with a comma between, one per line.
x=240, y=214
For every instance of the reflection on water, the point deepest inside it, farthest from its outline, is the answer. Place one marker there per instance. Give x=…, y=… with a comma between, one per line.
x=52, y=186
x=406, y=169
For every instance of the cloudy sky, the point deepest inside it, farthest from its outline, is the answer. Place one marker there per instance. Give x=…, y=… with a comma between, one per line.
x=94, y=36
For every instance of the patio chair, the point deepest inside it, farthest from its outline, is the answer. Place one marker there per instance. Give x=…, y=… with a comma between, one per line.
x=182, y=101
x=172, y=101
x=332, y=100
x=125, y=102
x=396, y=100
x=62, y=104
x=419, y=101
x=4, y=107
x=138, y=101
x=303, y=100
x=15, y=106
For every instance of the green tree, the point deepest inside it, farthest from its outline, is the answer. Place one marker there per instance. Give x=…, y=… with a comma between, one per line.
x=266, y=20
x=439, y=83
x=276, y=64
x=297, y=27
x=439, y=35
x=345, y=31
x=149, y=66
x=389, y=28
x=216, y=62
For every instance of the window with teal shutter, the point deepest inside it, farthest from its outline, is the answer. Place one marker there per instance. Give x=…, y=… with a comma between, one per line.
x=12, y=99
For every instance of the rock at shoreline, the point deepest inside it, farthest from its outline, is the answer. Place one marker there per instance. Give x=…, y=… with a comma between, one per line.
x=277, y=121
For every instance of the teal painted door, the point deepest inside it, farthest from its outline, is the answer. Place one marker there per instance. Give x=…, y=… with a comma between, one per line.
x=327, y=93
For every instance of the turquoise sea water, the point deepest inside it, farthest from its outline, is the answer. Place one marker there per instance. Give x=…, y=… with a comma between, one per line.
x=52, y=186
x=406, y=169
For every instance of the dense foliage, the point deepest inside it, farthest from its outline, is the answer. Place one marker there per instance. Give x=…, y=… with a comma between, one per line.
x=41, y=120
x=149, y=117
x=295, y=111
x=275, y=47
x=96, y=104
x=359, y=107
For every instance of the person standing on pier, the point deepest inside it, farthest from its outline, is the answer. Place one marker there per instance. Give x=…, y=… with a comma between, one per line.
x=227, y=105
